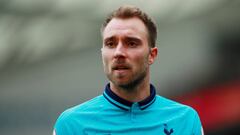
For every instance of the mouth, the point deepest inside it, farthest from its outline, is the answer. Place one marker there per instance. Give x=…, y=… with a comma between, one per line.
x=121, y=67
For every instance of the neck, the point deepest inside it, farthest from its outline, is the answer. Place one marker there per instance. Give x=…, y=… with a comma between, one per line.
x=136, y=94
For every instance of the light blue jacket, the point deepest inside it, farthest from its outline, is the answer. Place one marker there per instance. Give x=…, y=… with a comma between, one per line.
x=109, y=114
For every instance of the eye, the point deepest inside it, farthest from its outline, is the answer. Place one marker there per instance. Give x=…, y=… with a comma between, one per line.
x=110, y=44
x=132, y=44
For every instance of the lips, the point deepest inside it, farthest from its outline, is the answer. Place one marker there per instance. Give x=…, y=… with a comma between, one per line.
x=121, y=67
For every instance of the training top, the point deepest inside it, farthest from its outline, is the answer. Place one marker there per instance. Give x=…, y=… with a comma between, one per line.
x=109, y=114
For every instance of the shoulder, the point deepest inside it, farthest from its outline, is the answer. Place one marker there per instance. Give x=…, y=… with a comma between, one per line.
x=74, y=118
x=172, y=105
x=88, y=106
x=179, y=112
x=81, y=111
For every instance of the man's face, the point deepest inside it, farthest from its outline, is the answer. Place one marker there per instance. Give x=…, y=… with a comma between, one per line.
x=126, y=54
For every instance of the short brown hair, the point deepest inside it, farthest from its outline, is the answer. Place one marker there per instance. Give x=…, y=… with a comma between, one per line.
x=126, y=12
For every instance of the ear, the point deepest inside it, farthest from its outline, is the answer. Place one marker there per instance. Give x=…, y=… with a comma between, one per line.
x=152, y=55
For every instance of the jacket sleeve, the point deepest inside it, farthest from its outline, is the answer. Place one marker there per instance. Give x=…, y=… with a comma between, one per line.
x=63, y=125
x=197, y=127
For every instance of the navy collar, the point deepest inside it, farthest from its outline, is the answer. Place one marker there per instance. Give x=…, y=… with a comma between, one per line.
x=126, y=105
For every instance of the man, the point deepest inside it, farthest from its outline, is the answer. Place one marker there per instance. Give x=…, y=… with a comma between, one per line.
x=129, y=104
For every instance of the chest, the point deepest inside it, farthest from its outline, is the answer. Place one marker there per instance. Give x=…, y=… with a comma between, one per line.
x=135, y=123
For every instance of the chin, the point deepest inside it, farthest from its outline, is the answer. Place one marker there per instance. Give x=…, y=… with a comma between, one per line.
x=121, y=83
x=127, y=85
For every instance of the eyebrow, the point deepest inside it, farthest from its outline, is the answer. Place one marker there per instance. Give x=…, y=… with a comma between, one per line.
x=134, y=39
x=109, y=38
x=127, y=38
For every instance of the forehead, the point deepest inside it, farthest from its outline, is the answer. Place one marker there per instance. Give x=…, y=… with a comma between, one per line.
x=132, y=27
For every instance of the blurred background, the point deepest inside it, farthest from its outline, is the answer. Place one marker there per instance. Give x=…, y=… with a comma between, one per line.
x=50, y=59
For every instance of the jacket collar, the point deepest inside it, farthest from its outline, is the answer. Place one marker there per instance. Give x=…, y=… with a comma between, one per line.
x=126, y=105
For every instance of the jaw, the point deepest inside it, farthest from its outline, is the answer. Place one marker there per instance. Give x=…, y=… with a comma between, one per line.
x=130, y=81
x=120, y=77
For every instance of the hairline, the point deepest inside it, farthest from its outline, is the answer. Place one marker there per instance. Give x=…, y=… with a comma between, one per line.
x=125, y=18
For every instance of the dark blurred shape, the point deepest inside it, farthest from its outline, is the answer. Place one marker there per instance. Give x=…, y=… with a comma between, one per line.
x=218, y=107
x=229, y=54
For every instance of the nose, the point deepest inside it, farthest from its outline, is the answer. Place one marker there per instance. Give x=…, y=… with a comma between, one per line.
x=120, y=51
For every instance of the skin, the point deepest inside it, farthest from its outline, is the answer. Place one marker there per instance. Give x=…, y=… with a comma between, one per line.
x=127, y=58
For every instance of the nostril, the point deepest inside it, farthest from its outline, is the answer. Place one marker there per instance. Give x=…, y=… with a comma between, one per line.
x=119, y=54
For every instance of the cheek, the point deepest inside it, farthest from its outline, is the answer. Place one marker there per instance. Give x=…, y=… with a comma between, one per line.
x=105, y=61
x=142, y=59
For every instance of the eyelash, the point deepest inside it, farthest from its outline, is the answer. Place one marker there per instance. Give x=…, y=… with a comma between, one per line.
x=111, y=44
x=132, y=44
